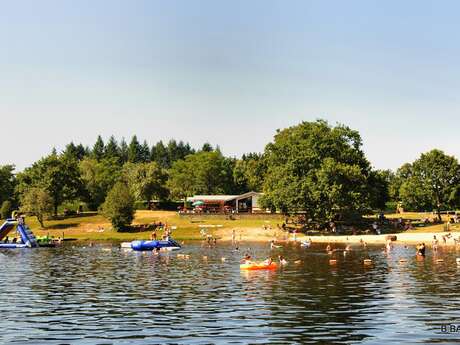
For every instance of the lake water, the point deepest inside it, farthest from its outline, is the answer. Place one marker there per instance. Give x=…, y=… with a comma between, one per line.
x=79, y=294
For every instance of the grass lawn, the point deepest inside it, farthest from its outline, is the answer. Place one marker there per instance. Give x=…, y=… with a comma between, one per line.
x=91, y=226
x=418, y=216
x=88, y=226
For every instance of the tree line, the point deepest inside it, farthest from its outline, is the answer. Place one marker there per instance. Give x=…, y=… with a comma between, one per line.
x=313, y=167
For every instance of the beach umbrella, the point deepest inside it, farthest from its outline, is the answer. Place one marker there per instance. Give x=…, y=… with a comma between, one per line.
x=198, y=203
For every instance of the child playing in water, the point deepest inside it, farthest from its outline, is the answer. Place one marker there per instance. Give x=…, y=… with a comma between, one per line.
x=282, y=260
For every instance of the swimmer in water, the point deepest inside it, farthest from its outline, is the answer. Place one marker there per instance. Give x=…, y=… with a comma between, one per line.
x=282, y=260
x=388, y=245
x=421, y=249
x=268, y=262
x=246, y=259
x=435, y=243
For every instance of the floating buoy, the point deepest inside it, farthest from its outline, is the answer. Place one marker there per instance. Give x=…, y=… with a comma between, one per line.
x=367, y=261
x=332, y=261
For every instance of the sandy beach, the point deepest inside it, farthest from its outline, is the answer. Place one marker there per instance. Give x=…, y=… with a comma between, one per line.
x=258, y=235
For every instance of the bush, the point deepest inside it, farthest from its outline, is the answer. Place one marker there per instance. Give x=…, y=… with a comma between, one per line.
x=391, y=206
x=6, y=209
x=119, y=206
x=141, y=205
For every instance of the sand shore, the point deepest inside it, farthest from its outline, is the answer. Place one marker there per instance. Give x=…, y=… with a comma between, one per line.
x=258, y=235
x=403, y=238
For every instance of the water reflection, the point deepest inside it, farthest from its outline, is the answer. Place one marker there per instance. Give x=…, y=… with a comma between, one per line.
x=98, y=295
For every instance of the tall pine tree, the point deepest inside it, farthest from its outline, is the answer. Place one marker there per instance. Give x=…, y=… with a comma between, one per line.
x=98, y=149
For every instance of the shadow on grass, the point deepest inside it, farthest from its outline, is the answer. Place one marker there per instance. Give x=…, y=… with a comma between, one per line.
x=62, y=226
x=140, y=228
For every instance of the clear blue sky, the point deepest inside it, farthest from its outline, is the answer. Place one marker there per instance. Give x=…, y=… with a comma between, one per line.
x=228, y=72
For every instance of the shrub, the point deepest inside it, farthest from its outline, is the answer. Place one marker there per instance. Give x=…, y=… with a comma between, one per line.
x=119, y=206
x=6, y=209
x=141, y=205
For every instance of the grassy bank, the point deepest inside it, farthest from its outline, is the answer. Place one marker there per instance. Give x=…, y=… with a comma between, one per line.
x=91, y=226
x=95, y=227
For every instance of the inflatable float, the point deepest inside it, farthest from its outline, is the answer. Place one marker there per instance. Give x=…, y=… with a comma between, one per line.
x=152, y=245
x=27, y=237
x=249, y=266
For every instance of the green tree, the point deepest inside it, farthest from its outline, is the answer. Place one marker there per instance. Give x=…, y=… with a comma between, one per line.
x=119, y=206
x=124, y=151
x=161, y=155
x=98, y=149
x=37, y=202
x=379, y=188
x=58, y=175
x=201, y=173
x=134, y=151
x=144, y=152
x=98, y=178
x=7, y=208
x=7, y=183
x=76, y=152
x=319, y=169
x=146, y=180
x=431, y=182
x=207, y=147
x=249, y=172
x=111, y=150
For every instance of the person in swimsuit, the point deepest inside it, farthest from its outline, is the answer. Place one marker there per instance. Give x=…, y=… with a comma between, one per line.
x=282, y=260
x=421, y=249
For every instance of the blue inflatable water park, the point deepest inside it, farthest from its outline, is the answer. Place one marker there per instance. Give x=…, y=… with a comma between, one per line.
x=27, y=237
x=168, y=244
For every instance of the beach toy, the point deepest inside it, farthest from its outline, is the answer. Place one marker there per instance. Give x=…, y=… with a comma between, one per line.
x=367, y=261
x=258, y=266
x=27, y=238
x=151, y=245
x=332, y=261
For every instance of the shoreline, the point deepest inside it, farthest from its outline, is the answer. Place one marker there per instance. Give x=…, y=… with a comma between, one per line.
x=401, y=238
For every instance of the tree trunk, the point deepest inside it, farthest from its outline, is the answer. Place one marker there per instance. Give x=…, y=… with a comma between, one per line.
x=40, y=220
x=439, y=215
x=55, y=209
